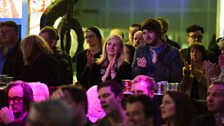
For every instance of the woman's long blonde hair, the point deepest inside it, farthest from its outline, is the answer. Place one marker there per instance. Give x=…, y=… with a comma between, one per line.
x=33, y=46
x=104, y=57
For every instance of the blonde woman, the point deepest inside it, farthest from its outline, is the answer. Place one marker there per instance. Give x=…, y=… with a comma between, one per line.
x=111, y=65
x=40, y=65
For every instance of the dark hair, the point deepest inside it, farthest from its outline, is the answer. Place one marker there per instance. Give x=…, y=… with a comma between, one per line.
x=164, y=24
x=52, y=32
x=183, y=108
x=135, y=25
x=52, y=113
x=152, y=24
x=27, y=91
x=10, y=24
x=78, y=95
x=149, y=108
x=95, y=30
x=114, y=86
x=132, y=51
x=201, y=48
x=194, y=28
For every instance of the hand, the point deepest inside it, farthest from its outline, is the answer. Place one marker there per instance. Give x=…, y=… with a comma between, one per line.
x=90, y=58
x=211, y=70
x=111, y=69
x=154, y=56
x=142, y=62
x=7, y=115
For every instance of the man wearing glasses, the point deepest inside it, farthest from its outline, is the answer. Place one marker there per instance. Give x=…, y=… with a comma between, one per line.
x=19, y=96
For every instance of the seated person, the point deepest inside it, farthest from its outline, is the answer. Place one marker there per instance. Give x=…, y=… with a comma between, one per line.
x=19, y=96
x=143, y=84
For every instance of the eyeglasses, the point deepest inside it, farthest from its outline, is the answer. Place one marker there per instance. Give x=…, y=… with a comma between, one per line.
x=196, y=36
x=15, y=99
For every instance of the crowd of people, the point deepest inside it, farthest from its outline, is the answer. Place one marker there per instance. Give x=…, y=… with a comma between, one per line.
x=100, y=97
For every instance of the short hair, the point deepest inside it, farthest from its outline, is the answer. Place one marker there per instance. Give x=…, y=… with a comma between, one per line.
x=164, y=23
x=135, y=25
x=53, y=113
x=77, y=94
x=183, y=108
x=152, y=24
x=52, y=32
x=149, y=107
x=96, y=31
x=27, y=91
x=114, y=86
x=194, y=28
x=10, y=24
x=201, y=48
x=146, y=79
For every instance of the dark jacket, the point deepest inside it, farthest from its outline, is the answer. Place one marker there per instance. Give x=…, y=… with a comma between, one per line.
x=167, y=68
x=14, y=63
x=204, y=120
x=43, y=69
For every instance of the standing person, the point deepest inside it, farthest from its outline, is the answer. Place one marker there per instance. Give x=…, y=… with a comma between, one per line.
x=176, y=109
x=131, y=31
x=40, y=64
x=19, y=96
x=164, y=26
x=11, y=57
x=138, y=39
x=64, y=60
x=156, y=58
x=87, y=57
x=110, y=96
x=112, y=64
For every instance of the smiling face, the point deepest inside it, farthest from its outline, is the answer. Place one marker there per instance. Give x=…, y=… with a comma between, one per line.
x=15, y=99
x=108, y=100
x=113, y=46
x=167, y=107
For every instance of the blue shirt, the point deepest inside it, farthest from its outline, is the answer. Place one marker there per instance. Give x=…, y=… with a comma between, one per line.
x=3, y=58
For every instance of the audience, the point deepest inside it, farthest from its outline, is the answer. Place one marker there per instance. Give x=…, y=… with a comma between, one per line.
x=19, y=96
x=141, y=111
x=129, y=52
x=142, y=84
x=77, y=100
x=50, y=113
x=86, y=58
x=110, y=96
x=111, y=65
x=40, y=64
x=215, y=104
x=11, y=57
x=131, y=31
x=64, y=60
x=176, y=109
x=138, y=39
x=195, y=82
x=156, y=58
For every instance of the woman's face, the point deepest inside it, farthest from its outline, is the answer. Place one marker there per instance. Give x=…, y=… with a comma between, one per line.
x=196, y=55
x=91, y=38
x=167, y=107
x=113, y=47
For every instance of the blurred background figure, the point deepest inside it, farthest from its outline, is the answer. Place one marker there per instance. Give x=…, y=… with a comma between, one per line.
x=86, y=58
x=65, y=72
x=40, y=64
x=164, y=26
x=50, y=113
x=129, y=53
x=138, y=39
x=176, y=109
x=19, y=97
x=131, y=31
x=11, y=57
x=143, y=84
x=117, y=31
